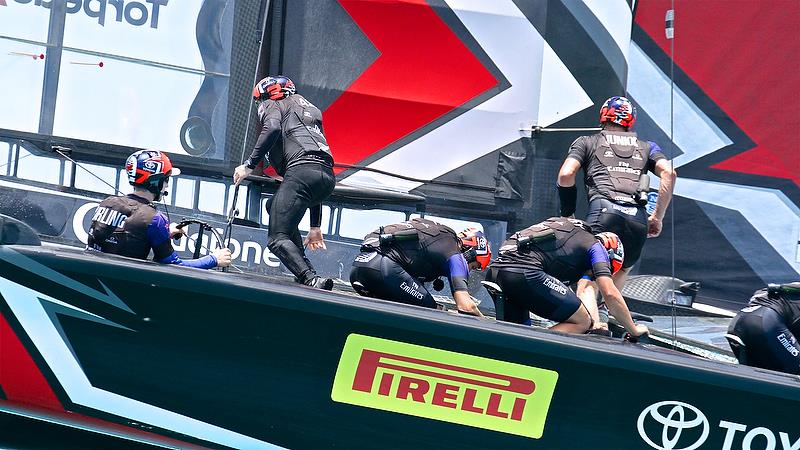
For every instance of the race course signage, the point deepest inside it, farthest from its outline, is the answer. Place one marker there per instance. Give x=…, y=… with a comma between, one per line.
x=443, y=385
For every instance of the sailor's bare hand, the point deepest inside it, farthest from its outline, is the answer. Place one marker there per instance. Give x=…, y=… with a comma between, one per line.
x=471, y=307
x=174, y=231
x=240, y=173
x=314, y=239
x=639, y=330
x=223, y=256
x=653, y=226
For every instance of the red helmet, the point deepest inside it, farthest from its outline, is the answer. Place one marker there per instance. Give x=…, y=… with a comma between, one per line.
x=618, y=110
x=150, y=169
x=616, y=251
x=273, y=88
x=475, y=246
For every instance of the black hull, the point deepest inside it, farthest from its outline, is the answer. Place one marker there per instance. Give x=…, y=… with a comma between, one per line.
x=245, y=361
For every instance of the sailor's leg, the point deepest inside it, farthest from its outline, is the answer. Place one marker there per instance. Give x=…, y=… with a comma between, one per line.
x=366, y=277
x=587, y=294
x=578, y=323
x=553, y=300
x=398, y=285
x=287, y=209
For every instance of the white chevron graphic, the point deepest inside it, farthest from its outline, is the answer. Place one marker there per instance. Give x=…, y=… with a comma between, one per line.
x=693, y=132
x=26, y=306
x=769, y=211
x=542, y=92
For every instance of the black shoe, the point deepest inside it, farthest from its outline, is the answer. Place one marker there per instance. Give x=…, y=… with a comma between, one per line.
x=320, y=283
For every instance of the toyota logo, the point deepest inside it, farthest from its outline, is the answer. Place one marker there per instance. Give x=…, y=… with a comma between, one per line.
x=673, y=418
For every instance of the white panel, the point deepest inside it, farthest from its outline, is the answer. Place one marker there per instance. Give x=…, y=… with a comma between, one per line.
x=123, y=103
x=89, y=179
x=561, y=95
x=22, y=78
x=305, y=223
x=24, y=21
x=173, y=40
x=616, y=17
x=184, y=192
x=694, y=133
x=38, y=168
x=212, y=197
x=357, y=223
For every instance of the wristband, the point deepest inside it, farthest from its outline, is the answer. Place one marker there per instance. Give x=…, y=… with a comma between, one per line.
x=568, y=197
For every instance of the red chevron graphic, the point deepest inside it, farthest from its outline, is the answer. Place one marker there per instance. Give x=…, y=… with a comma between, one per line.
x=20, y=379
x=751, y=81
x=423, y=72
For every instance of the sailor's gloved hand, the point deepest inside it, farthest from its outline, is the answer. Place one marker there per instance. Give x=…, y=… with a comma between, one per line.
x=314, y=239
x=175, y=232
x=240, y=173
x=223, y=256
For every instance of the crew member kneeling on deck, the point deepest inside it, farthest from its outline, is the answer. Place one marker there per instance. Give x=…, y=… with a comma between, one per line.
x=767, y=329
x=292, y=138
x=531, y=263
x=131, y=226
x=396, y=260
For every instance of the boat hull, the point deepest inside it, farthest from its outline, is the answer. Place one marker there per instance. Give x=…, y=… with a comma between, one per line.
x=245, y=361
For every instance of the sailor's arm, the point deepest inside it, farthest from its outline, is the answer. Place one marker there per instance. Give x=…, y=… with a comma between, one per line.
x=567, y=191
x=458, y=271
x=158, y=236
x=617, y=306
x=667, y=177
x=270, y=117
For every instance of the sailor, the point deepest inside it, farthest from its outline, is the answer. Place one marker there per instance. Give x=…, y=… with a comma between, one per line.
x=292, y=139
x=535, y=265
x=131, y=226
x=615, y=163
x=396, y=260
x=764, y=334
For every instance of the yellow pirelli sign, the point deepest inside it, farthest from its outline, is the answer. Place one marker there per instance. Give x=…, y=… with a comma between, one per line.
x=444, y=385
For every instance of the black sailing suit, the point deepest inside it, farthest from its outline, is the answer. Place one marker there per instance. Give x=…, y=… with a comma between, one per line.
x=769, y=327
x=292, y=136
x=396, y=271
x=534, y=277
x=612, y=163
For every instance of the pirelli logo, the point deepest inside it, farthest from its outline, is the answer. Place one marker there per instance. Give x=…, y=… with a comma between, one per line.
x=443, y=385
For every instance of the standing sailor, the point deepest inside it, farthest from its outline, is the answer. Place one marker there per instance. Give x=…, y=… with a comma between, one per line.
x=535, y=265
x=131, y=226
x=396, y=260
x=615, y=164
x=292, y=138
x=764, y=334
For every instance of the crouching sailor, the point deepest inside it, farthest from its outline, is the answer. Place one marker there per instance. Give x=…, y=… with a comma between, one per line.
x=131, y=226
x=764, y=334
x=396, y=260
x=532, y=262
